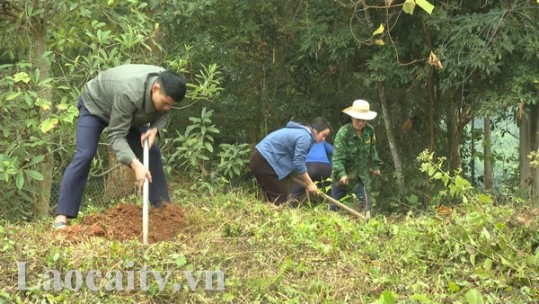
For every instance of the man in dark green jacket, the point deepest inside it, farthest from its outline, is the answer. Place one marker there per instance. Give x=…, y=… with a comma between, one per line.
x=125, y=99
x=355, y=156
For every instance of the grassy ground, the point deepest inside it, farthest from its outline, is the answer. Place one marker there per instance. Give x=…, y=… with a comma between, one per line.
x=269, y=254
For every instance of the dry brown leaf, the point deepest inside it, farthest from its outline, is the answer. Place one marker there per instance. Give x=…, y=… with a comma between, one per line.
x=434, y=61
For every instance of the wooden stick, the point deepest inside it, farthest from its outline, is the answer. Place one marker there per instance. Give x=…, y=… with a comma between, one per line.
x=343, y=206
x=336, y=202
x=145, y=196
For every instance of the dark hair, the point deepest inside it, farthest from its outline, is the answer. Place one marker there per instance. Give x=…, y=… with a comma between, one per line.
x=320, y=124
x=172, y=84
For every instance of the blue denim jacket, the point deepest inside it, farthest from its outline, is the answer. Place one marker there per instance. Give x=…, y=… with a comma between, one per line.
x=286, y=149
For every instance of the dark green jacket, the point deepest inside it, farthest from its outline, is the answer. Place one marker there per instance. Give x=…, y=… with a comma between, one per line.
x=121, y=96
x=354, y=156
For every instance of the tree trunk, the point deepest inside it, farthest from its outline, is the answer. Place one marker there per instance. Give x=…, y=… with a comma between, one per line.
x=431, y=90
x=472, y=153
x=534, y=117
x=487, y=160
x=387, y=120
x=38, y=47
x=390, y=137
x=454, y=149
x=458, y=119
x=529, y=141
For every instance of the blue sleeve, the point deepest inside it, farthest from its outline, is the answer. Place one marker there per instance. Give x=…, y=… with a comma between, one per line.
x=303, y=145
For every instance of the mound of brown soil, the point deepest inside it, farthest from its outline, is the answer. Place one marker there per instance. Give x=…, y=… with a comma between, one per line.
x=124, y=222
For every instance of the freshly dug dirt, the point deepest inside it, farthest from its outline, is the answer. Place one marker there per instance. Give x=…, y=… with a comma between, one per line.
x=124, y=222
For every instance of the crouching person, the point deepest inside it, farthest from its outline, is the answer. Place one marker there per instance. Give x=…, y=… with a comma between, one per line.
x=283, y=152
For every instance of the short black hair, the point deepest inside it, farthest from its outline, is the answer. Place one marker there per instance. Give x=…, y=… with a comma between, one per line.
x=320, y=124
x=172, y=84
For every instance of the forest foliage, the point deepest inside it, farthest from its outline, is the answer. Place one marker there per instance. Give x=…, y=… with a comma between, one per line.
x=428, y=68
x=433, y=70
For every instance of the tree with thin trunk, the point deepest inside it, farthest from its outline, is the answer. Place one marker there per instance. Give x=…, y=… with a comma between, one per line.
x=487, y=160
x=30, y=34
x=54, y=48
x=391, y=138
x=529, y=142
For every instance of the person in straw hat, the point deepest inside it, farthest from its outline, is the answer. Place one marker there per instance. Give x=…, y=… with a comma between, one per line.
x=355, y=156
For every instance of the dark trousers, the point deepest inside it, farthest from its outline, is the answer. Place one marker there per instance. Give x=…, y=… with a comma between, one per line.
x=89, y=130
x=319, y=173
x=273, y=189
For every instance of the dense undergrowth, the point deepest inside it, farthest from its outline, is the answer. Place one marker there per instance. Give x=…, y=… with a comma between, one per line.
x=469, y=253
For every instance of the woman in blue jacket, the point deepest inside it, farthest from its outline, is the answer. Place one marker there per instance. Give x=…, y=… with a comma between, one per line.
x=282, y=152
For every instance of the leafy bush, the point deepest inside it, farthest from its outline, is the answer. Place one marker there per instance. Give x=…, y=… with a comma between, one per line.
x=26, y=135
x=195, y=146
x=194, y=154
x=234, y=158
x=459, y=188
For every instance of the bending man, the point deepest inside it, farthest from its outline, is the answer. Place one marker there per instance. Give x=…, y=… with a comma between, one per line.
x=125, y=99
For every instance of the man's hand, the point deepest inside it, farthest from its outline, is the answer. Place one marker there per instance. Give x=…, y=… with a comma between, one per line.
x=343, y=181
x=141, y=173
x=375, y=172
x=150, y=134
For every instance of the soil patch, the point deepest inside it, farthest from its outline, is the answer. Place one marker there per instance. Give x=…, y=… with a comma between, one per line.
x=527, y=217
x=124, y=222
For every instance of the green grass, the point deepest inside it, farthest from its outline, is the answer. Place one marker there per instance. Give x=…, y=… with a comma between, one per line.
x=274, y=254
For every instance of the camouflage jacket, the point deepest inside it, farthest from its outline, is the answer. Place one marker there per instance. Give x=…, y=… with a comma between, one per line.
x=354, y=156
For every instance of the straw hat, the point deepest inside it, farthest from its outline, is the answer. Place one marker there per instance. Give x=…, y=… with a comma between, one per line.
x=360, y=110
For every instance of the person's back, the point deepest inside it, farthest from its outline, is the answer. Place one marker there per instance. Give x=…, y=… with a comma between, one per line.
x=284, y=148
x=318, y=164
x=320, y=153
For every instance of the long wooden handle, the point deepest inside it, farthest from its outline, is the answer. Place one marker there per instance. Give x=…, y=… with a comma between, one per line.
x=336, y=202
x=145, y=194
x=343, y=206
